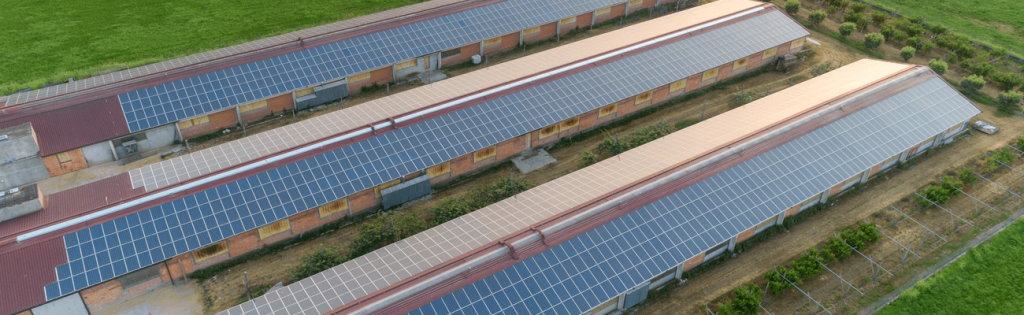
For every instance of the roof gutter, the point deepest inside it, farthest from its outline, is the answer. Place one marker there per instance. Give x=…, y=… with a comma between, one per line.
x=362, y=131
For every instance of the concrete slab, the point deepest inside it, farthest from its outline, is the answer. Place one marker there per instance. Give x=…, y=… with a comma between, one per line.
x=531, y=160
x=172, y=299
x=431, y=76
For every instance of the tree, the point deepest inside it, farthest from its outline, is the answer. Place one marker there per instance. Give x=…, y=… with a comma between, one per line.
x=926, y=47
x=748, y=299
x=817, y=16
x=1010, y=101
x=938, y=29
x=915, y=41
x=973, y=83
x=938, y=66
x=807, y=264
x=873, y=40
x=313, y=263
x=449, y=208
x=776, y=284
x=846, y=28
x=792, y=7
x=854, y=17
x=859, y=7
x=878, y=18
x=899, y=36
x=999, y=52
x=888, y=31
x=1007, y=81
x=907, y=53
x=587, y=159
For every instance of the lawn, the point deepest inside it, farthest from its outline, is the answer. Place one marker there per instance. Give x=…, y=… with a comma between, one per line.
x=989, y=279
x=48, y=41
x=994, y=22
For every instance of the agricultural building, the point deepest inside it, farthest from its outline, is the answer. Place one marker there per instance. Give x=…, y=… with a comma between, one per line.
x=598, y=239
x=113, y=238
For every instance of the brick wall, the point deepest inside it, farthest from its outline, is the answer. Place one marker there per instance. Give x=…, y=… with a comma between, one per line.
x=625, y=107
x=257, y=114
x=508, y=42
x=724, y=72
x=510, y=147
x=875, y=169
x=660, y=94
x=546, y=31
x=745, y=235
x=222, y=119
x=242, y=243
x=583, y=20
x=380, y=76
x=111, y=292
x=305, y=221
x=362, y=200
x=835, y=189
x=693, y=83
x=754, y=60
x=462, y=165
x=783, y=49
x=56, y=168
x=467, y=52
x=693, y=262
x=794, y=210
x=280, y=103
x=589, y=119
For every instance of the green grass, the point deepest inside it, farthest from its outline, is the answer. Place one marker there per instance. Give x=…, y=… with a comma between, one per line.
x=994, y=22
x=50, y=41
x=987, y=280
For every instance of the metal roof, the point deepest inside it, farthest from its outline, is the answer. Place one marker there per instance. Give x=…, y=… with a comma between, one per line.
x=122, y=245
x=73, y=127
x=412, y=256
x=578, y=275
x=263, y=144
x=172, y=101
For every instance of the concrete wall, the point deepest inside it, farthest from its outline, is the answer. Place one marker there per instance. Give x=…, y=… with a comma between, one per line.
x=68, y=305
x=98, y=153
x=158, y=137
x=20, y=209
x=22, y=172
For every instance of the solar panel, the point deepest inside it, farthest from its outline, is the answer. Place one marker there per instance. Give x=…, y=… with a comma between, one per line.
x=128, y=243
x=580, y=274
x=206, y=93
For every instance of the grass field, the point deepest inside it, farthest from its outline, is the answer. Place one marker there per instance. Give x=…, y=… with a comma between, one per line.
x=994, y=22
x=989, y=279
x=47, y=41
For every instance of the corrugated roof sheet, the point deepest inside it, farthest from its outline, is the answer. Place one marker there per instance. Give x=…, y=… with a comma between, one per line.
x=210, y=160
x=602, y=263
x=73, y=127
x=28, y=267
x=393, y=263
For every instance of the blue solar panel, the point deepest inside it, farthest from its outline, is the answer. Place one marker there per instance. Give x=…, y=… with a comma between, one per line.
x=210, y=216
x=580, y=274
x=170, y=102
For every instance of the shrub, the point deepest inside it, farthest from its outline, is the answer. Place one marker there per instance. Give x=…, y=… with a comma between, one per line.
x=938, y=29
x=613, y=146
x=817, y=16
x=748, y=299
x=999, y=52
x=792, y=6
x=587, y=159
x=899, y=36
x=485, y=195
x=938, y=66
x=888, y=31
x=807, y=264
x=853, y=17
x=449, y=208
x=952, y=59
x=926, y=47
x=822, y=68
x=847, y=28
x=983, y=69
x=914, y=30
x=1020, y=143
x=776, y=284
x=860, y=236
x=1006, y=81
x=973, y=83
x=384, y=230
x=1009, y=101
x=1001, y=155
x=319, y=260
x=878, y=18
x=859, y=7
x=907, y=53
x=966, y=176
x=837, y=249
x=915, y=41
x=873, y=40
x=965, y=51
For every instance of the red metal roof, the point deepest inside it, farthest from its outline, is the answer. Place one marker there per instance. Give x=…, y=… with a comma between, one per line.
x=74, y=126
x=73, y=202
x=25, y=271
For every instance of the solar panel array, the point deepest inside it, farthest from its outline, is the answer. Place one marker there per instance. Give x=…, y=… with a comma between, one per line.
x=170, y=102
x=584, y=272
x=210, y=216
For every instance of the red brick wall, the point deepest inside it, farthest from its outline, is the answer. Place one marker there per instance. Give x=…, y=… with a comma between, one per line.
x=111, y=292
x=510, y=147
x=913, y=150
x=660, y=94
x=724, y=72
x=508, y=42
x=281, y=103
x=462, y=165
x=693, y=262
x=625, y=107
x=835, y=189
x=222, y=119
x=755, y=60
x=693, y=83
x=783, y=49
x=187, y=265
x=583, y=20
x=255, y=115
x=745, y=235
x=209, y=261
x=55, y=168
x=875, y=169
x=589, y=119
x=241, y=244
x=304, y=221
x=546, y=31
x=380, y=76
x=362, y=200
x=794, y=210
x=467, y=52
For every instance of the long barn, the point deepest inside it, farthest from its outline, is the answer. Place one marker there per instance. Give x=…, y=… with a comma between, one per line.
x=115, y=237
x=596, y=240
